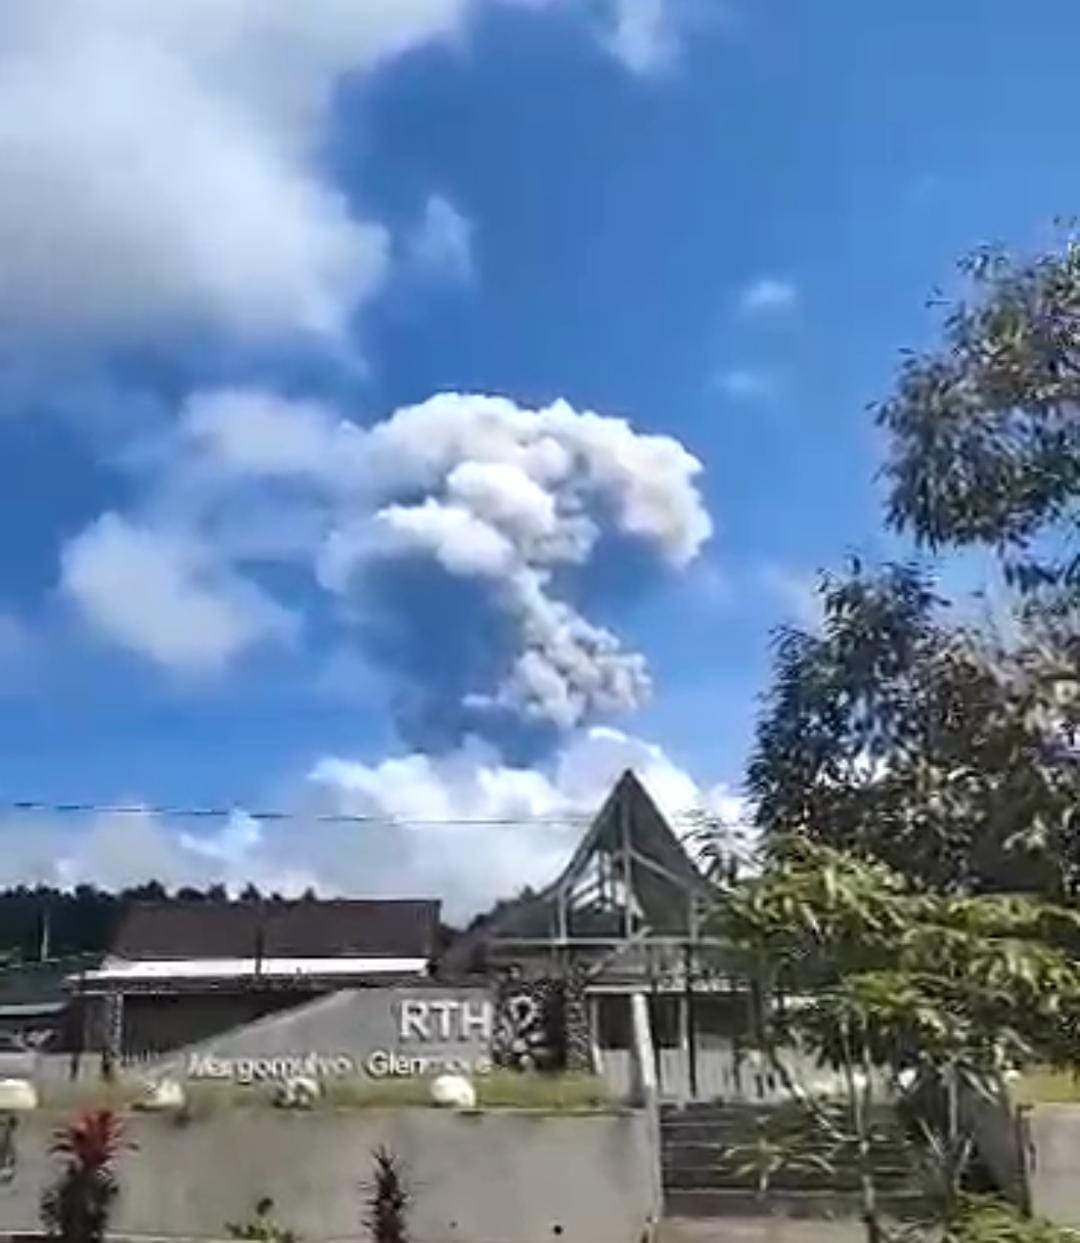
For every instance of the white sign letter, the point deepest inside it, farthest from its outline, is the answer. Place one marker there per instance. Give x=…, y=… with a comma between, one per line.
x=476, y=1020
x=414, y=1017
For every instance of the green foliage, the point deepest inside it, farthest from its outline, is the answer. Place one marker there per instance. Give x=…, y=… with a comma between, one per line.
x=786, y=1141
x=388, y=1199
x=987, y=1220
x=984, y=440
x=934, y=994
x=262, y=1226
x=906, y=976
x=76, y=1207
x=933, y=748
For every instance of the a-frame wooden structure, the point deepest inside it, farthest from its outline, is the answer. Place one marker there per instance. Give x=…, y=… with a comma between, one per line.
x=629, y=886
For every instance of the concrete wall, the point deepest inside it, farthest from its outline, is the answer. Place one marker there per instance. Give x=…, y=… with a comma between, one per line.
x=355, y=1022
x=1053, y=1159
x=497, y=1177
x=1034, y=1154
x=155, y=1024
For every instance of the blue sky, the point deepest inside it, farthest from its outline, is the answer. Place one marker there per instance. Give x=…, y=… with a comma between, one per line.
x=719, y=221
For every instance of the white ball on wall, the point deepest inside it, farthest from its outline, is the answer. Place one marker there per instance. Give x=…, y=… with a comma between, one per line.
x=161, y=1095
x=453, y=1092
x=17, y=1096
x=301, y=1092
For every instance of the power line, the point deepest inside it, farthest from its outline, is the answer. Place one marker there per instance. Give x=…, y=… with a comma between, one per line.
x=167, y=811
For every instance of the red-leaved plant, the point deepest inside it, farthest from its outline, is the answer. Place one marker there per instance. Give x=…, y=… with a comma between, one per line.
x=76, y=1207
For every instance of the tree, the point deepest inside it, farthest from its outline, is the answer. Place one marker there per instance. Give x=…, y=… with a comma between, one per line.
x=937, y=748
x=984, y=434
x=903, y=993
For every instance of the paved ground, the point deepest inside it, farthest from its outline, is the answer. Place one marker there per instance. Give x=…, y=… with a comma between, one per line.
x=760, y=1230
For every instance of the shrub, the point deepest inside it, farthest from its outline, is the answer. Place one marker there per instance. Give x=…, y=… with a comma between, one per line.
x=990, y=1220
x=77, y=1206
x=388, y=1199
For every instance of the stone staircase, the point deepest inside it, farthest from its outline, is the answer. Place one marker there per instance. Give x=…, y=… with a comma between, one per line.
x=702, y=1178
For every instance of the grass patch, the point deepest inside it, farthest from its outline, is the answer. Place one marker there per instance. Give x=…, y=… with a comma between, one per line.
x=507, y=1090
x=501, y=1089
x=363, y=1093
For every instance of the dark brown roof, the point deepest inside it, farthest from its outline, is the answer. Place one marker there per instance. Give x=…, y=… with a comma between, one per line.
x=305, y=929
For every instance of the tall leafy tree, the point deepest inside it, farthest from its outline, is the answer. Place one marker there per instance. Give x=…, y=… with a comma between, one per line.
x=984, y=430
x=944, y=753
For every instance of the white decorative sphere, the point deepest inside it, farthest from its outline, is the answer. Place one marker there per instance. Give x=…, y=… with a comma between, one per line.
x=453, y=1092
x=17, y=1096
x=301, y=1092
x=161, y=1096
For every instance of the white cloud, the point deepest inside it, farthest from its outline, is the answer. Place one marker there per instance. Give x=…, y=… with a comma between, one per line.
x=253, y=432
x=443, y=242
x=796, y=591
x=471, y=865
x=747, y=384
x=176, y=181
x=530, y=819
x=768, y=294
x=641, y=34
x=117, y=850
x=166, y=597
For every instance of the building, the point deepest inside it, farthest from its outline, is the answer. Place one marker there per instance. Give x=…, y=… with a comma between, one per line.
x=178, y=972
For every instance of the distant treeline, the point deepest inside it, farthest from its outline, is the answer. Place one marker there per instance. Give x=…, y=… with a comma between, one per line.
x=67, y=922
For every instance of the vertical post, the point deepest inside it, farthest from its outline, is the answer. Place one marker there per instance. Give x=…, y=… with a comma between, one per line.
x=44, y=947
x=643, y=1061
x=114, y=1034
x=654, y=1002
x=594, y=1035
x=78, y=1026
x=691, y=1034
x=624, y=833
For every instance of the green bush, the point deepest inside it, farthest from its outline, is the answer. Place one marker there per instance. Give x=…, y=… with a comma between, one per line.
x=988, y=1220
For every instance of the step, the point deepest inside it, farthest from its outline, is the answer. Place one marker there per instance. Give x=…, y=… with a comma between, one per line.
x=749, y=1119
x=728, y=1202
x=697, y=1152
x=784, y=1179
x=727, y=1137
